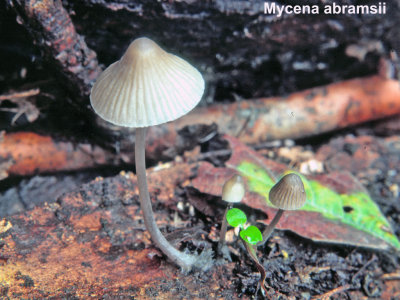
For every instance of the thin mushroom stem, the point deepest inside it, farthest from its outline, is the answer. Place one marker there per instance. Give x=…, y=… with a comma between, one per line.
x=185, y=261
x=267, y=232
x=224, y=226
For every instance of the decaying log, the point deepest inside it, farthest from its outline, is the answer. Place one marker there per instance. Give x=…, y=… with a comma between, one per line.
x=299, y=115
x=249, y=54
x=26, y=153
x=237, y=47
x=54, y=33
x=302, y=114
x=92, y=243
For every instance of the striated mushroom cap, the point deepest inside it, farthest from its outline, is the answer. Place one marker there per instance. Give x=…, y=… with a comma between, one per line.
x=233, y=190
x=146, y=87
x=288, y=193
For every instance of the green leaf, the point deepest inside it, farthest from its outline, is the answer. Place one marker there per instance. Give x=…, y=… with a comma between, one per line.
x=354, y=209
x=251, y=235
x=236, y=217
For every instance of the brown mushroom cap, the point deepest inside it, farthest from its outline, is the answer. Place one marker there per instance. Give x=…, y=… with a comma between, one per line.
x=146, y=87
x=233, y=190
x=288, y=193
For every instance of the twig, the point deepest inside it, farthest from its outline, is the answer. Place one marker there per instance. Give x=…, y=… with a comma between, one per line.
x=391, y=276
x=24, y=94
x=210, y=154
x=373, y=258
x=333, y=292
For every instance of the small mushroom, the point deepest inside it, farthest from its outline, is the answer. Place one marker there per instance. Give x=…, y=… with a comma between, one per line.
x=232, y=192
x=148, y=87
x=287, y=194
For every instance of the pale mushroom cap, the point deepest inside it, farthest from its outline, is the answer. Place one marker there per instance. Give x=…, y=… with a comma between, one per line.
x=233, y=190
x=146, y=87
x=288, y=193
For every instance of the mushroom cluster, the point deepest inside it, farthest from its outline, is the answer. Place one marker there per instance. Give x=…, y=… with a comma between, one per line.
x=148, y=87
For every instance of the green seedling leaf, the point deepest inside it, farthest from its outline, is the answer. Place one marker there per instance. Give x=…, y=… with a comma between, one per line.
x=236, y=217
x=251, y=235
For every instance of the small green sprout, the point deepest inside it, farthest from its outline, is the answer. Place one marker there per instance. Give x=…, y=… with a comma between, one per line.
x=236, y=217
x=251, y=235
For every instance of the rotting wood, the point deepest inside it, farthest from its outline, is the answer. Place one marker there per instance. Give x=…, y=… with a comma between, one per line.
x=92, y=242
x=302, y=114
x=269, y=44
x=299, y=115
x=27, y=153
x=263, y=64
x=53, y=32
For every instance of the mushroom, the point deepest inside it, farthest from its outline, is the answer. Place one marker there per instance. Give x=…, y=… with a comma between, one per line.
x=233, y=191
x=148, y=87
x=287, y=194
